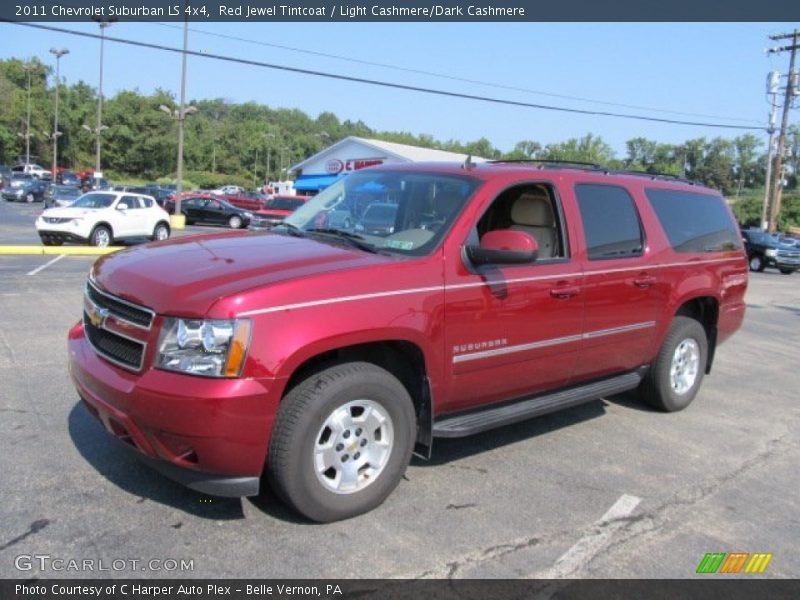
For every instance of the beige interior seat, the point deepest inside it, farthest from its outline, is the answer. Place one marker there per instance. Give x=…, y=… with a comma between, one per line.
x=533, y=213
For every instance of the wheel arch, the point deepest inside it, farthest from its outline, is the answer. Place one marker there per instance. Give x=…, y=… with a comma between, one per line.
x=105, y=224
x=705, y=310
x=404, y=359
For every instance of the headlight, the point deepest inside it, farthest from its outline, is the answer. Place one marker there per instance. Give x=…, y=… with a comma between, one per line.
x=247, y=215
x=771, y=252
x=213, y=348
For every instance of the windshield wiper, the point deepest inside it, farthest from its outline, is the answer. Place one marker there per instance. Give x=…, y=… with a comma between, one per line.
x=353, y=239
x=290, y=229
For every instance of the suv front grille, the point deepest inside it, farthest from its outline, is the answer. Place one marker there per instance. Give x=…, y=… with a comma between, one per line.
x=119, y=350
x=121, y=309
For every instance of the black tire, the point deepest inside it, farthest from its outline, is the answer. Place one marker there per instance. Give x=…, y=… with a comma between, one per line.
x=98, y=236
x=301, y=425
x=659, y=388
x=757, y=263
x=235, y=222
x=787, y=271
x=158, y=232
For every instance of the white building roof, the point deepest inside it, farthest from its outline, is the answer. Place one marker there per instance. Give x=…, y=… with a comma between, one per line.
x=402, y=152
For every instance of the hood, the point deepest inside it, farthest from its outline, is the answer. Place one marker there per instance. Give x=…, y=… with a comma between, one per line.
x=186, y=276
x=70, y=212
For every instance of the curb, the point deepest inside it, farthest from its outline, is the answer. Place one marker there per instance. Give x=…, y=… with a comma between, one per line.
x=69, y=250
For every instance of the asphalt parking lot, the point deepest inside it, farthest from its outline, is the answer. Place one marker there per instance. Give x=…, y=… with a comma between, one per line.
x=609, y=489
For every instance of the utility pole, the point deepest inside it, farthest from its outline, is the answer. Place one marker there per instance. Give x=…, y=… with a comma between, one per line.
x=773, y=82
x=98, y=130
x=777, y=171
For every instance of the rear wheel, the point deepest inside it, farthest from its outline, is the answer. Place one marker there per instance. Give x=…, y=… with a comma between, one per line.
x=756, y=263
x=235, y=222
x=341, y=442
x=675, y=376
x=101, y=236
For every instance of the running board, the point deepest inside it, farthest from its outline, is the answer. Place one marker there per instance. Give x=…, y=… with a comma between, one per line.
x=498, y=416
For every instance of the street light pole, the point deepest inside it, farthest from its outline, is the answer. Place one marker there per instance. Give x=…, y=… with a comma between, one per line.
x=28, y=67
x=181, y=116
x=58, y=52
x=99, y=127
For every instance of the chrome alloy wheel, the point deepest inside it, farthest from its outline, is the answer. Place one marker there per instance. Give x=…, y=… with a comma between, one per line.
x=353, y=446
x=102, y=238
x=685, y=365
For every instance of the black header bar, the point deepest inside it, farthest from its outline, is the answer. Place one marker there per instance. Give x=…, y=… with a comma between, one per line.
x=418, y=11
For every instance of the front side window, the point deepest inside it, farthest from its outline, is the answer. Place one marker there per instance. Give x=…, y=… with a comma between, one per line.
x=610, y=221
x=384, y=211
x=694, y=222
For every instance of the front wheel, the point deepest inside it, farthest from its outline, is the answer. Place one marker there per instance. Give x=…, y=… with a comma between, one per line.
x=29, y=198
x=235, y=222
x=787, y=271
x=675, y=376
x=161, y=232
x=341, y=442
x=101, y=236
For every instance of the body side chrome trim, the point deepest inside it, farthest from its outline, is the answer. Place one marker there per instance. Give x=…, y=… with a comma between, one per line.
x=445, y=288
x=459, y=358
x=261, y=311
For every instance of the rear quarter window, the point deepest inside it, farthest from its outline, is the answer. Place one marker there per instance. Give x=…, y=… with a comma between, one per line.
x=694, y=222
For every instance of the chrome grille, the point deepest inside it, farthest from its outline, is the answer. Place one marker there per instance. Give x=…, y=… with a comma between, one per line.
x=115, y=348
x=121, y=309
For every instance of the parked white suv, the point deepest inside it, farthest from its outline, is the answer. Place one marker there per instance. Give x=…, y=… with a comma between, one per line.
x=100, y=218
x=33, y=169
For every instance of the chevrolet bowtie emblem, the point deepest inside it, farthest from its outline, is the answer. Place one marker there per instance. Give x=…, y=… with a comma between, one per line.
x=97, y=316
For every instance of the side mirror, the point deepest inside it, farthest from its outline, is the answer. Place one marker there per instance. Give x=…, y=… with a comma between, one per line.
x=122, y=207
x=504, y=247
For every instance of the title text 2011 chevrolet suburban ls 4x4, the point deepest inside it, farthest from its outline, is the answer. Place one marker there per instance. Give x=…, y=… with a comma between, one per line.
x=323, y=353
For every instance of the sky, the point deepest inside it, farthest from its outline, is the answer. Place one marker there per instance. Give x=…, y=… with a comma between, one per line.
x=713, y=72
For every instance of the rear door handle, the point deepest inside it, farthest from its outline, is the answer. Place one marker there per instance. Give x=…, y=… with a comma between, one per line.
x=644, y=281
x=564, y=292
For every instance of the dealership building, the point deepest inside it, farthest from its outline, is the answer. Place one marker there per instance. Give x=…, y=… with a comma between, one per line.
x=353, y=153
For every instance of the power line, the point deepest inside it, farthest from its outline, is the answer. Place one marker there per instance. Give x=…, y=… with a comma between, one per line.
x=450, y=77
x=386, y=84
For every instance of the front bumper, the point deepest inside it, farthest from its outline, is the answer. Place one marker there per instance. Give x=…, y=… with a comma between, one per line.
x=61, y=236
x=211, y=435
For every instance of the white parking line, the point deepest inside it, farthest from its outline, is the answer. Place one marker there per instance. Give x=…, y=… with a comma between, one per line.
x=599, y=536
x=47, y=264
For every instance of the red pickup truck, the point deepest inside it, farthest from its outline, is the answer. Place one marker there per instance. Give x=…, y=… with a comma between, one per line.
x=323, y=354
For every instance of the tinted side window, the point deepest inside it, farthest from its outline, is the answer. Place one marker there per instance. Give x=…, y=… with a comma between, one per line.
x=610, y=221
x=694, y=222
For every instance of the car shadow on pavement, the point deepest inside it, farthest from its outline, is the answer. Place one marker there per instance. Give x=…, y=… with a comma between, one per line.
x=632, y=400
x=446, y=450
x=118, y=465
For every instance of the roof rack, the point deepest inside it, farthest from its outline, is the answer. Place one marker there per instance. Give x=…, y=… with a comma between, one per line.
x=543, y=163
x=553, y=162
x=656, y=175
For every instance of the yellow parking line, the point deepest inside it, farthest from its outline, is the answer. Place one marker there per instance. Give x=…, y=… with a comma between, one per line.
x=69, y=250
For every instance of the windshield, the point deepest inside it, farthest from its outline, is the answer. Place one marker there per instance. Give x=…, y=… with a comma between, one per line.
x=93, y=200
x=66, y=191
x=402, y=212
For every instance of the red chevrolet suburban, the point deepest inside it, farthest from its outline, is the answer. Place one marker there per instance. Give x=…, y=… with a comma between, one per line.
x=322, y=354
